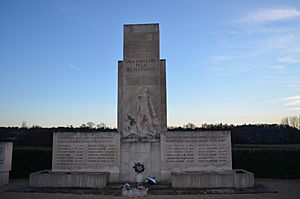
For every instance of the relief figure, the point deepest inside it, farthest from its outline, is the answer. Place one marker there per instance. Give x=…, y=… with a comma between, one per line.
x=146, y=116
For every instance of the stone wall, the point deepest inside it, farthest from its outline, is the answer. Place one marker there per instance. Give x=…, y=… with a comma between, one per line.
x=195, y=151
x=87, y=152
x=6, y=149
x=174, y=152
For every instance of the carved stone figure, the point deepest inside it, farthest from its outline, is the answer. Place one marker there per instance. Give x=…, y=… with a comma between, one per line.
x=146, y=115
x=141, y=122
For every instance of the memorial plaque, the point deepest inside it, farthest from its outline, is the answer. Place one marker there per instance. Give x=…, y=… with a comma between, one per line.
x=86, y=151
x=141, y=83
x=196, y=150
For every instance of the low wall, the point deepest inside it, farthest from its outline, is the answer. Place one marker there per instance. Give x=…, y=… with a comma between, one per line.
x=222, y=179
x=48, y=178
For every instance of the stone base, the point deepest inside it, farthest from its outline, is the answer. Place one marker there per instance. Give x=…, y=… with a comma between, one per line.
x=48, y=178
x=146, y=152
x=4, y=177
x=134, y=193
x=203, y=179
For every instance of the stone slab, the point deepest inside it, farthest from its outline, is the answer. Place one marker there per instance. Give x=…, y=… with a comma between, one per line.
x=87, y=152
x=195, y=151
x=146, y=153
x=222, y=179
x=48, y=178
x=243, y=178
x=6, y=149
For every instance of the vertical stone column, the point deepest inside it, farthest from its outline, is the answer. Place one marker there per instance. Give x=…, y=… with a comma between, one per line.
x=5, y=161
x=142, y=109
x=141, y=83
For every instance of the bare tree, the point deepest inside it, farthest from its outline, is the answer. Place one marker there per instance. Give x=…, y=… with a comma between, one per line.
x=83, y=126
x=101, y=125
x=23, y=125
x=293, y=121
x=285, y=121
x=189, y=126
x=90, y=124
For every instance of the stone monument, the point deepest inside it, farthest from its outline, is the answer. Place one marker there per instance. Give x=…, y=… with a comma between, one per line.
x=5, y=161
x=141, y=100
x=141, y=84
x=198, y=159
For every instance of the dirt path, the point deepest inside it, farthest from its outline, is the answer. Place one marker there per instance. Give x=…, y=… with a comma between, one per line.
x=287, y=189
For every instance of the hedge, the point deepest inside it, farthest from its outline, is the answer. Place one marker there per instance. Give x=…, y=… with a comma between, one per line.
x=268, y=163
x=26, y=161
x=264, y=163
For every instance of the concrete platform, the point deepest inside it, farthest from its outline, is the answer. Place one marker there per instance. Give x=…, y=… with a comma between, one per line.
x=160, y=189
x=47, y=178
x=203, y=179
x=273, y=189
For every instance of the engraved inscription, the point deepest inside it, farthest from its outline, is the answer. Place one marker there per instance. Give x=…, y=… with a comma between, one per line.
x=197, y=149
x=140, y=65
x=85, y=150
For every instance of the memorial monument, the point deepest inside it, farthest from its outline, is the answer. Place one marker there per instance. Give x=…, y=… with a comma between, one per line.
x=196, y=159
x=141, y=100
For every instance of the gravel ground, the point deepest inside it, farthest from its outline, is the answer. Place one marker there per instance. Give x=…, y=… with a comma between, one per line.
x=287, y=189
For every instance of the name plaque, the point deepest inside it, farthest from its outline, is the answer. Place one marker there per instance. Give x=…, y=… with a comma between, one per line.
x=85, y=151
x=196, y=150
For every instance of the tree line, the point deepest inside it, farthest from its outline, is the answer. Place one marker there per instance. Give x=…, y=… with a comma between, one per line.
x=39, y=136
x=240, y=134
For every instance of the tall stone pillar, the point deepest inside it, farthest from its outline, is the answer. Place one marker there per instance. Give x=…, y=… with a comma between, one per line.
x=142, y=113
x=141, y=84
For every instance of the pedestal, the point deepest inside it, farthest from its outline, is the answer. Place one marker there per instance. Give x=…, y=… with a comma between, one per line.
x=48, y=178
x=222, y=179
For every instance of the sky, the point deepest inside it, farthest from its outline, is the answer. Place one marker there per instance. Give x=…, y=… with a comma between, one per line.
x=233, y=61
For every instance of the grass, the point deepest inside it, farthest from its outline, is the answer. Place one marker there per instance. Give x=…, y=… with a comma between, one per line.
x=26, y=161
x=264, y=163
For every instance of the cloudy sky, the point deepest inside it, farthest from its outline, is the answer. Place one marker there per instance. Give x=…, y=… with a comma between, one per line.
x=228, y=61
